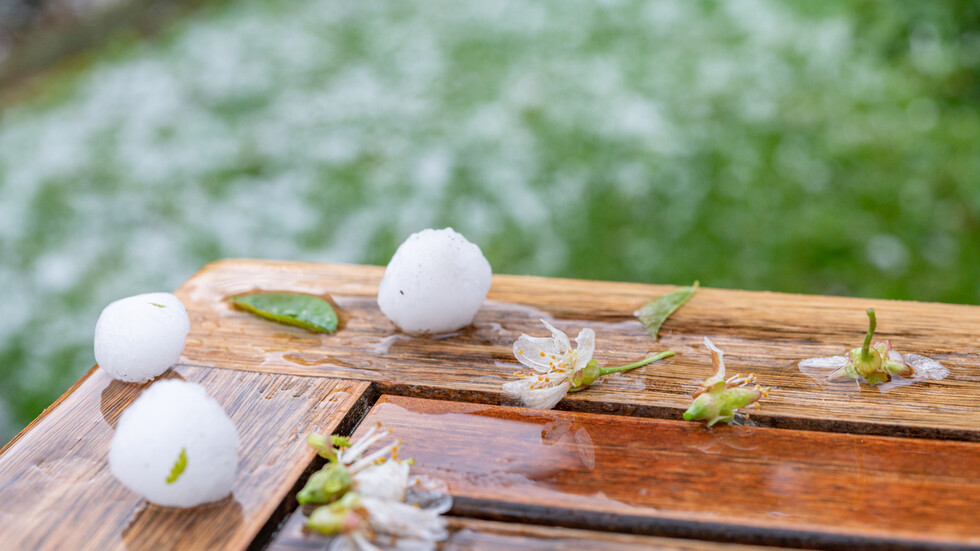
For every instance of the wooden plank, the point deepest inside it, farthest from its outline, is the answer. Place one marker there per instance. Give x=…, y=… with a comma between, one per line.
x=468, y=534
x=745, y=484
x=56, y=491
x=765, y=333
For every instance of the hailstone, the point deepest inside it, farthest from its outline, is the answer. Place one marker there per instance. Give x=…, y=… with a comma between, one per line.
x=175, y=446
x=435, y=282
x=138, y=338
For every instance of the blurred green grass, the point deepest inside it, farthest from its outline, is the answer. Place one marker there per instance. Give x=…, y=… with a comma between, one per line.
x=802, y=147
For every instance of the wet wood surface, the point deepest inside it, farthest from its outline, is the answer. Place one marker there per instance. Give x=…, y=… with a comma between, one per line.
x=467, y=534
x=746, y=484
x=764, y=333
x=56, y=491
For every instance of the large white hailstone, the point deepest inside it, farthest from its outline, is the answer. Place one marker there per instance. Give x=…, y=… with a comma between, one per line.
x=170, y=420
x=435, y=283
x=138, y=338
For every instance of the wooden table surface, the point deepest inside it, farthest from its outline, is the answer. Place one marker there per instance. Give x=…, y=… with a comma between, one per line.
x=614, y=467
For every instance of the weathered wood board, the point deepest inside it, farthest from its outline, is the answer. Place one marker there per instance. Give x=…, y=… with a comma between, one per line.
x=56, y=491
x=563, y=478
x=682, y=479
x=764, y=333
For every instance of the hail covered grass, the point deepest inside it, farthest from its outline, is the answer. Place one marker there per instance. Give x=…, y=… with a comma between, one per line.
x=746, y=144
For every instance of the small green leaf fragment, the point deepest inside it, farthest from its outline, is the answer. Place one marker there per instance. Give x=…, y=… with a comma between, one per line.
x=157, y=305
x=179, y=466
x=305, y=311
x=654, y=313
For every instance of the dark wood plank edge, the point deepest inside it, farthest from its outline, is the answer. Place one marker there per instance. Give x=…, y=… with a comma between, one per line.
x=502, y=511
x=352, y=418
x=542, y=532
x=580, y=403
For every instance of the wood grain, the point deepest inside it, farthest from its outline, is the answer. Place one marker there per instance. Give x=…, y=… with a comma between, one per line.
x=476, y=535
x=746, y=484
x=765, y=333
x=56, y=491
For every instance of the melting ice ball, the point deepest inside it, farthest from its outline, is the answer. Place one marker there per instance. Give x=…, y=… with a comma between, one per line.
x=138, y=338
x=175, y=421
x=435, y=283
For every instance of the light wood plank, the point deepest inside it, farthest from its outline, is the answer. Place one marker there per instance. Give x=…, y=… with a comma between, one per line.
x=56, y=491
x=765, y=333
x=752, y=485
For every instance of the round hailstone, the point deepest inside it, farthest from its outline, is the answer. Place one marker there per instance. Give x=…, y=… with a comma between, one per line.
x=138, y=338
x=435, y=283
x=170, y=421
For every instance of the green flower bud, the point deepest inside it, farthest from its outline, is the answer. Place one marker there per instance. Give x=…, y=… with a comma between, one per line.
x=328, y=522
x=325, y=485
x=339, y=516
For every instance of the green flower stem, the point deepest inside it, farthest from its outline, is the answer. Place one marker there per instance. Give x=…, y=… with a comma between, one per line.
x=866, y=349
x=641, y=363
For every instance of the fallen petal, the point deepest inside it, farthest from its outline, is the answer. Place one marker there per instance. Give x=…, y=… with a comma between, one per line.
x=831, y=362
x=926, y=368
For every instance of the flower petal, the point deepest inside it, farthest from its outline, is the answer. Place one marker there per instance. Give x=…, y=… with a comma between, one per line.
x=831, y=362
x=717, y=358
x=353, y=542
x=586, y=347
x=926, y=368
x=545, y=396
x=388, y=480
x=402, y=520
x=535, y=352
x=431, y=494
x=541, y=353
x=559, y=336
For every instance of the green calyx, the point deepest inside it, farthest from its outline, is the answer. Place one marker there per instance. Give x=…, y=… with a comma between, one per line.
x=327, y=446
x=338, y=517
x=719, y=404
x=588, y=374
x=585, y=376
x=326, y=485
x=872, y=363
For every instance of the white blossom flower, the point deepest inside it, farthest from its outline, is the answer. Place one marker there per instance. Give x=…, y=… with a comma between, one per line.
x=555, y=363
x=371, y=501
x=559, y=368
x=377, y=474
x=368, y=523
x=374, y=524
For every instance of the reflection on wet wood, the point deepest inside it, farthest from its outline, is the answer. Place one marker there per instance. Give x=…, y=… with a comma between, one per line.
x=56, y=491
x=476, y=535
x=765, y=333
x=754, y=485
